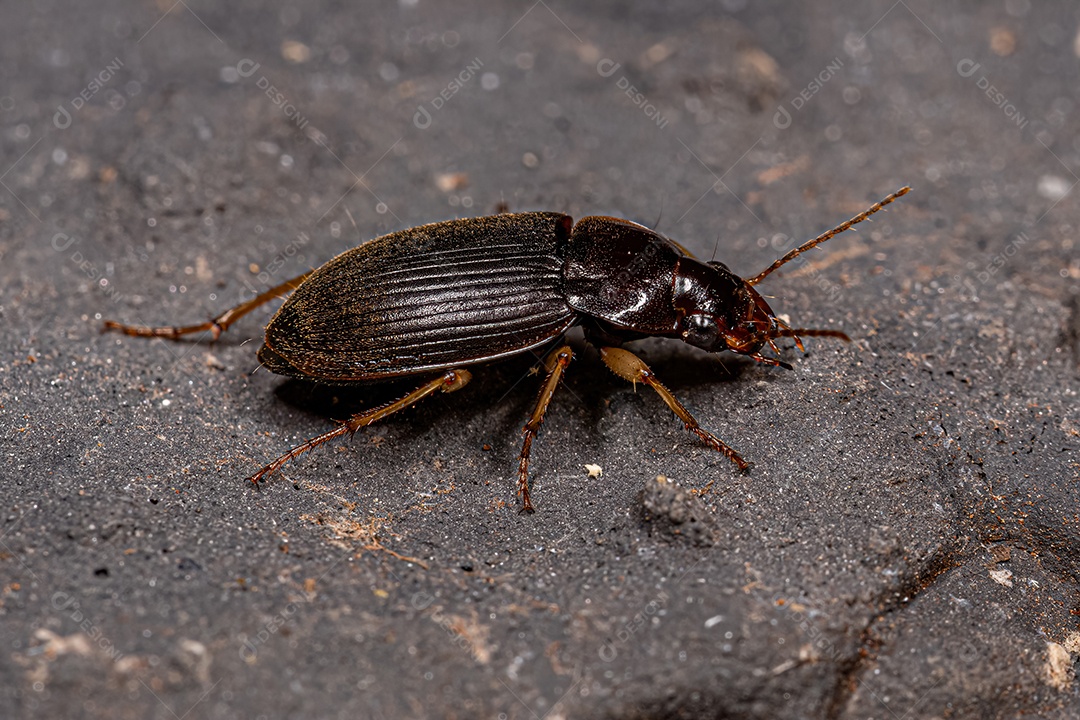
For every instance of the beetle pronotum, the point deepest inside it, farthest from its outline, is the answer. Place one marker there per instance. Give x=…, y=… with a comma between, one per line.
x=437, y=298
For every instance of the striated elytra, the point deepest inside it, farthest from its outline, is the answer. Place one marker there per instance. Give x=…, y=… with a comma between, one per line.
x=436, y=299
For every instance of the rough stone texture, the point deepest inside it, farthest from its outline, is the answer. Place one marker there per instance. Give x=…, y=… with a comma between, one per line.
x=905, y=546
x=674, y=512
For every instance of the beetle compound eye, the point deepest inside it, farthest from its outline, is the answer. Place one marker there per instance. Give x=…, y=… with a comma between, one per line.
x=701, y=330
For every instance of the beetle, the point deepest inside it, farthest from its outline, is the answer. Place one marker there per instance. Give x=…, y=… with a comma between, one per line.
x=435, y=299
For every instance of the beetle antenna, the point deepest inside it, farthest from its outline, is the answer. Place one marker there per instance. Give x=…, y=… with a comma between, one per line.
x=656, y=225
x=825, y=236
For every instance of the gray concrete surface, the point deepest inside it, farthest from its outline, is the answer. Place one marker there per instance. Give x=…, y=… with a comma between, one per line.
x=905, y=547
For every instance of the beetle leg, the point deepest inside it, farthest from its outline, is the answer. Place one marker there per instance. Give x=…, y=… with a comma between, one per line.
x=449, y=381
x=216, y=326
x=555, y=364
x=630, y=367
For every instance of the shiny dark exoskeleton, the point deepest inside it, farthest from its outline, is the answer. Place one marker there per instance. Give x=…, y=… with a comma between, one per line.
x=629, y=282
x=437, y=298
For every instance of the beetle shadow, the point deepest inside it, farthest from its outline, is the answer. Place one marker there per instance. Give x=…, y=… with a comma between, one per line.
x=340, y=402
x=589, y=385
x=505, y=383
x=510, y=387
x=679, y=367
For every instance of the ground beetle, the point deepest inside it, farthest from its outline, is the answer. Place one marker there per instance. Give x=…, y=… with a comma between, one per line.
x=440, y=297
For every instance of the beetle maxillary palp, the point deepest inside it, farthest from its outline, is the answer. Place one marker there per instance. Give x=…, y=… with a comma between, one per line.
x=774, y=362
x=450, y=381
x=784, y=330
x=630, y=367
x=555, y=364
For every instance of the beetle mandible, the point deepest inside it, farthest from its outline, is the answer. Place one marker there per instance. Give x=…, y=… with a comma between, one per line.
x=437, y=298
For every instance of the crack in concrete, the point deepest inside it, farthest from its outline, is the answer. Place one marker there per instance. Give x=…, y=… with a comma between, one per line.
x=942, y=560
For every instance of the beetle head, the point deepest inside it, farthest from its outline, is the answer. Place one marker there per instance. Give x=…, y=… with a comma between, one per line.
x=718, y=310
